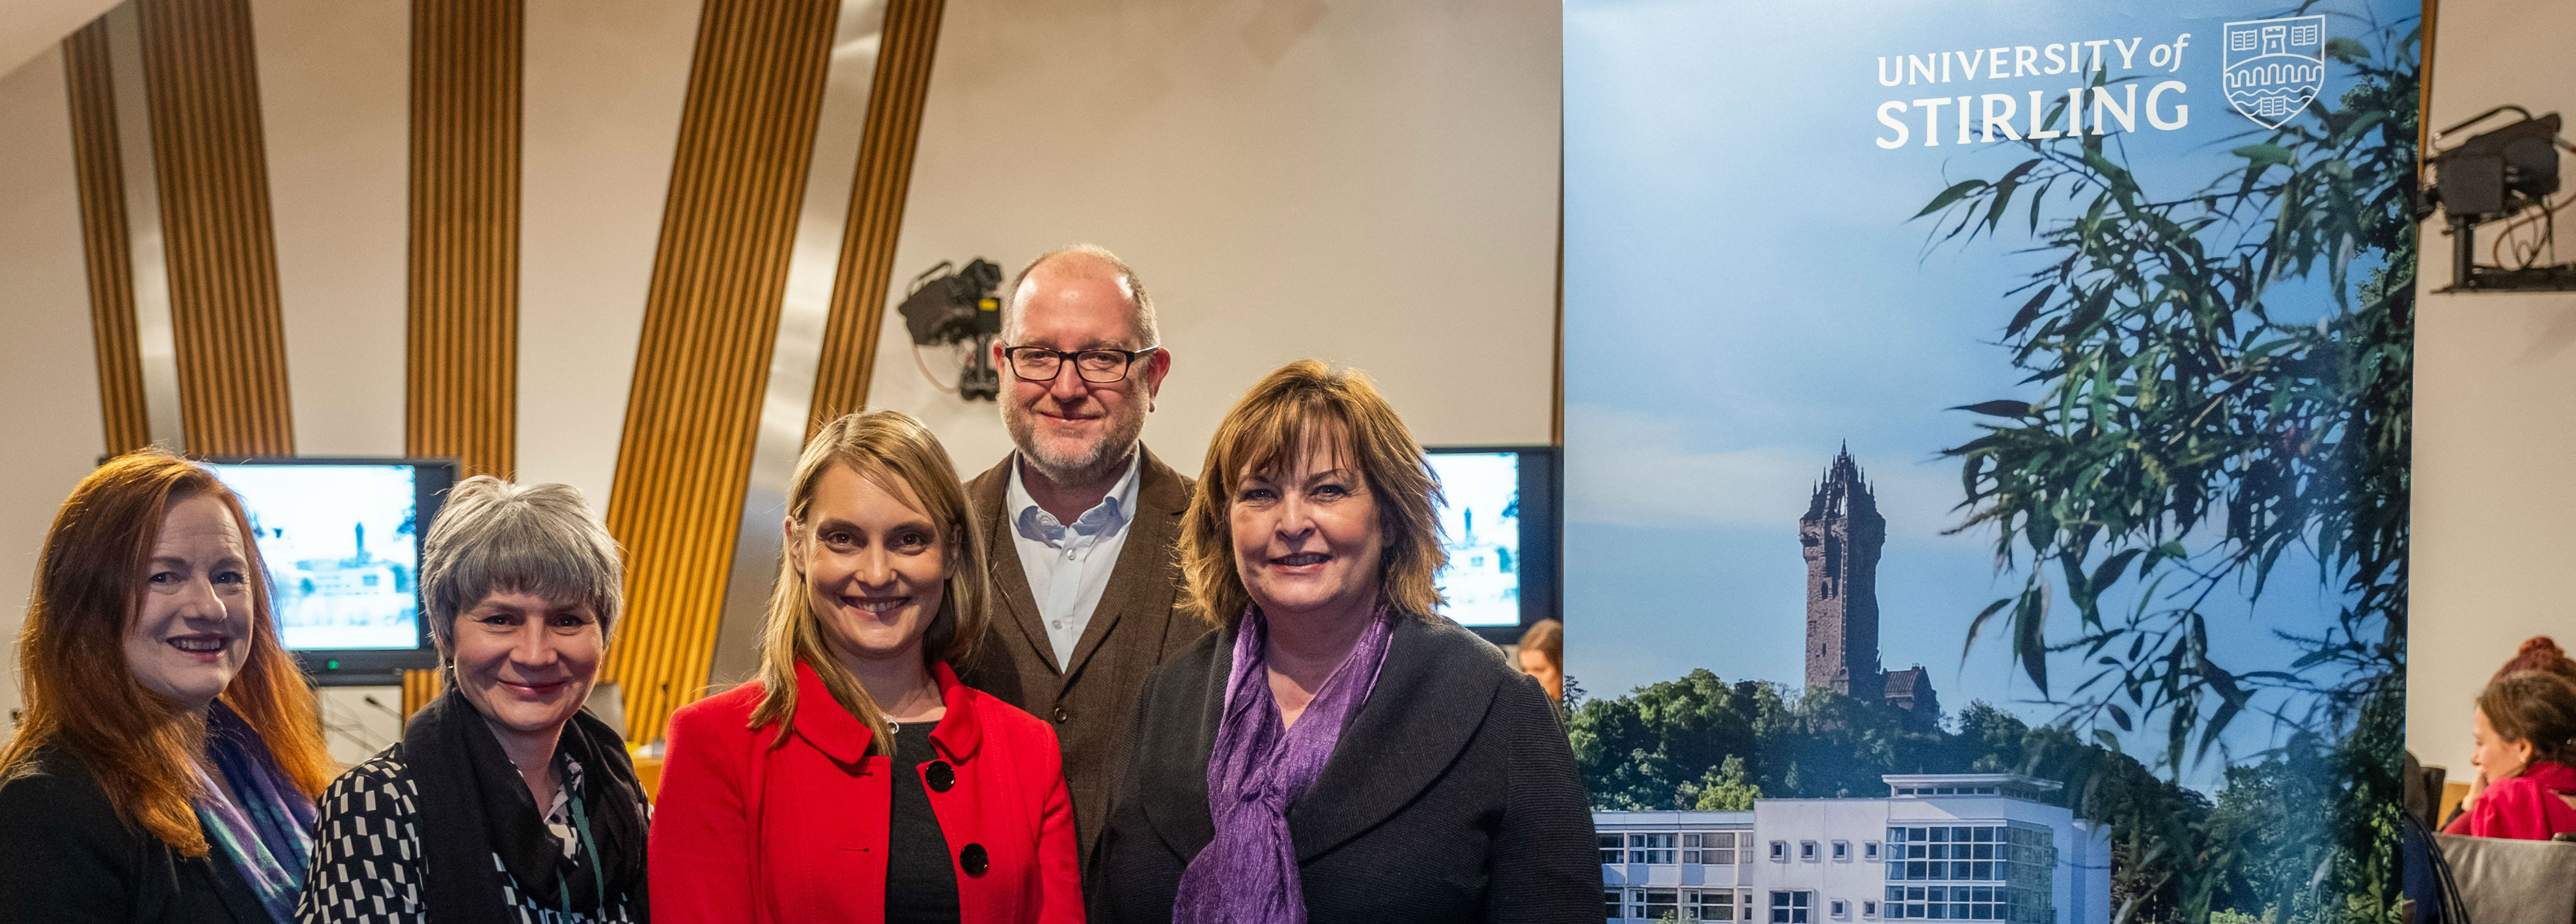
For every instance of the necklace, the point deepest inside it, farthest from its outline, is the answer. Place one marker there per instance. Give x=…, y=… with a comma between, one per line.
x=894, y=726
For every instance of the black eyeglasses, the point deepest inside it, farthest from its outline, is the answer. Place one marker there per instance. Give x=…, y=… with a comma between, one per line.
x=1098, y=366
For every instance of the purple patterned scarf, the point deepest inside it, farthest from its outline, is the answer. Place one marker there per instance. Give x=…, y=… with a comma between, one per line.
x=1258, y=769
x=261, y=820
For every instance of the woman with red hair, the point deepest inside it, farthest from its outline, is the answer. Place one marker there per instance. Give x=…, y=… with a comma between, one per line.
x=167, y=759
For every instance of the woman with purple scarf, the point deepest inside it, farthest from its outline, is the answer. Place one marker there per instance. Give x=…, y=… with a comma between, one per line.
x=1336, y=751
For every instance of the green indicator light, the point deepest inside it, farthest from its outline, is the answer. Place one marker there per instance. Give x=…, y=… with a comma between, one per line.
x=331, y=665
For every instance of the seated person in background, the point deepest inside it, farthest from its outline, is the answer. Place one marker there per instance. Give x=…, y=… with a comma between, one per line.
x=503, y=801
x=856, y=779
x=2526, y=740
x=165, y=767
x=1542, y=655
x=1336, y=751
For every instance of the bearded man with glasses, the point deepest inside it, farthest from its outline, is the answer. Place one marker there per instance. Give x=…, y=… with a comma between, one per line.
x=1081, y=519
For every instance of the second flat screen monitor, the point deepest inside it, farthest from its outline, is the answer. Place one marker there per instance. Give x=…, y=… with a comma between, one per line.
x=1498, y=519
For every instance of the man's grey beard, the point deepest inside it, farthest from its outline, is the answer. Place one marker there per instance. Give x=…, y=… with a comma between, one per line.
x=1091, y=467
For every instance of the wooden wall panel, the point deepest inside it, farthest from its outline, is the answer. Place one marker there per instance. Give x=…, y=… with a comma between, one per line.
x=212, y=160
x=461, y=395
x=418, y=688
x=710, y=323
x=107, y=242
x=462, y=398
x=859, y=287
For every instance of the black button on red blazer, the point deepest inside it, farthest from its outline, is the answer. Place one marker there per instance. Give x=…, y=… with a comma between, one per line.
x=745, y=832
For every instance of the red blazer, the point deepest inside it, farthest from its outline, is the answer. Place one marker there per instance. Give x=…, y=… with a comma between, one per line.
x=743, y=832
x=2525, y=806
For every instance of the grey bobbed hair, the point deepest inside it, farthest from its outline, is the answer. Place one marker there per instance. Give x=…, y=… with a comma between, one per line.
x=496, y=537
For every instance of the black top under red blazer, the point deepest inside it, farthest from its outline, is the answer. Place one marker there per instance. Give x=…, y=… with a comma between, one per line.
x=1452, y=795
x=798, y=832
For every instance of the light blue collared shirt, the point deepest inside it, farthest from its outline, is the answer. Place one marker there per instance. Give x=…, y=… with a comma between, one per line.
x=1068, y=565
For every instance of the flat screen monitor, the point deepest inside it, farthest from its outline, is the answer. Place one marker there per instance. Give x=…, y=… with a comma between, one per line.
x=342, y=538
x=1499, y=518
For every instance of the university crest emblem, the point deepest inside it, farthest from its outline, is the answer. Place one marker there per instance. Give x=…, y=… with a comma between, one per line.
x=2275, y=67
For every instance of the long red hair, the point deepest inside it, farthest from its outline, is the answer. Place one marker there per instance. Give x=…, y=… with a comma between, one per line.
x=81, y=697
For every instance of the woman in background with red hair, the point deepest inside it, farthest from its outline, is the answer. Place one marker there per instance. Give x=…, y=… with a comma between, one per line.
x=168, y=756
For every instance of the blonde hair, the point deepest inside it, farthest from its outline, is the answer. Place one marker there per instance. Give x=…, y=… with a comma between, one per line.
x=1273, y=425
x=892, y=450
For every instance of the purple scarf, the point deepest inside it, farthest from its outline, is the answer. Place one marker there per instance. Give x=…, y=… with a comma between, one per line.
x=1258, y=769
x=262, y=821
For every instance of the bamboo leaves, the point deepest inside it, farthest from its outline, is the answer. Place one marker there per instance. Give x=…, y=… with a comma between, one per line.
x=2185, y=436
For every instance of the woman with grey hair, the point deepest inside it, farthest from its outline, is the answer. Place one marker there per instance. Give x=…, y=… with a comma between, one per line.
x=537, y=814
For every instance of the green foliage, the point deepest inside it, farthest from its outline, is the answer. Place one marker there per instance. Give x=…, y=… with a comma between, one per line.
x=1727, y=788
x=2185, y=441
x=2278, y=837
x=1672, y=745
x=1637, y=751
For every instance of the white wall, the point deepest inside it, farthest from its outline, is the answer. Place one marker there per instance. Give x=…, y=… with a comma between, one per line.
x=601, y=108
x=49, y=384
x=1368, y=183
x=335, y=97
x=602, y=93
x=2495, y=410
x=32, y=27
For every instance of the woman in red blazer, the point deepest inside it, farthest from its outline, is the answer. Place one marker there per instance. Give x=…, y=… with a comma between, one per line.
x=857, y=780
x=2526, y=759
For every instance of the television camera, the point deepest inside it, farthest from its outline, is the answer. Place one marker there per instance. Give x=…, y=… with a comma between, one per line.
x=2505, y=174
x=961, y=307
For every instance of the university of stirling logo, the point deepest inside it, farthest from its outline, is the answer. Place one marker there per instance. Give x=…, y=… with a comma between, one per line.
x=2275, y=67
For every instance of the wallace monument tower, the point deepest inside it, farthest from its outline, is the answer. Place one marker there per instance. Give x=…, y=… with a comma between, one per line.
x=1842, y=533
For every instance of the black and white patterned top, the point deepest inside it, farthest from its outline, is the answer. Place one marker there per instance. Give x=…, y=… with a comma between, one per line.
x=367, y=853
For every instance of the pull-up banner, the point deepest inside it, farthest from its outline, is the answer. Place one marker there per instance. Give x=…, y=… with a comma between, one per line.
x=1986, y=456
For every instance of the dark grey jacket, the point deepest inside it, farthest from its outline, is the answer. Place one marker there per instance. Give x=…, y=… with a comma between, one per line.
x=1452, y=796
x=66, y=857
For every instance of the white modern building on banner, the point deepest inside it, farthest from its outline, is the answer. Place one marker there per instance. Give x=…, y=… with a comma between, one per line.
x=1938, y=847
